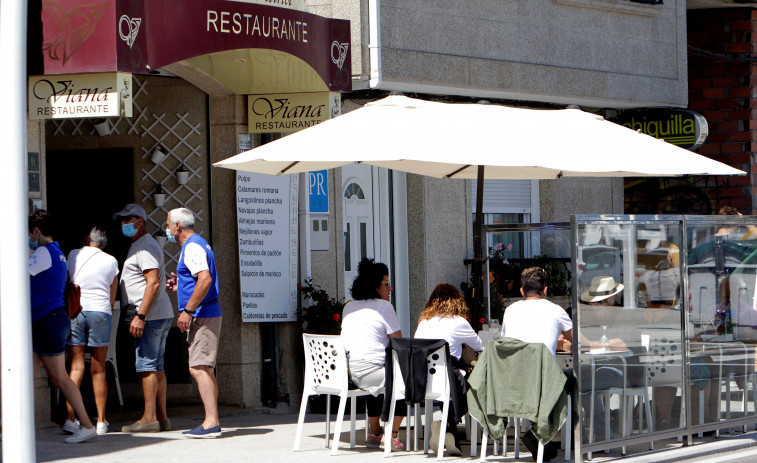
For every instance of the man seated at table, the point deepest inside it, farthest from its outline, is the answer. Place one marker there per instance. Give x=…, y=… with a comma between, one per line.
x=601, y=297
x=535, y=319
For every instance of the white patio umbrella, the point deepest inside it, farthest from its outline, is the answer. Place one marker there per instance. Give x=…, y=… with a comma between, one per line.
x=475, y=141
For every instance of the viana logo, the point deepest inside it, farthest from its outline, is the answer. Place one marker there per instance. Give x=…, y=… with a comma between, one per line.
x=339, y=53
x=128, y=28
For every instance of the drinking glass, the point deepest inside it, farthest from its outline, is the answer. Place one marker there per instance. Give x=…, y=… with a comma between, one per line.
x=494, y=328
x=603, y=341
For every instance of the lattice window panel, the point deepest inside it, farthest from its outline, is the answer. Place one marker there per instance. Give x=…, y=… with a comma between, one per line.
x=180, y=138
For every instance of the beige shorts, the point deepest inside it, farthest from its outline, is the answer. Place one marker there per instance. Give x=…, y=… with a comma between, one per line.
x=203, y=337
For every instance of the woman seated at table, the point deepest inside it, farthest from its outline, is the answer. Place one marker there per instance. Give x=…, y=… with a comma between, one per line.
x=444, y=318
x=368, y=322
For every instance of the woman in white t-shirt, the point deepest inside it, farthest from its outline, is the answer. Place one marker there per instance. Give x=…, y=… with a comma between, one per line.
x=368, y=321
x=444, y=317
x=97, y=274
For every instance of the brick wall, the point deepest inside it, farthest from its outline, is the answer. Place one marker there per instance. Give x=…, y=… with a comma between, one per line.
x=721, y=90
x=721, y=85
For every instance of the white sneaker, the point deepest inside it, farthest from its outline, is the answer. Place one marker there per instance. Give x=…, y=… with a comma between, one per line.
x=102, y=427
x=83, y=434
x=71, y=426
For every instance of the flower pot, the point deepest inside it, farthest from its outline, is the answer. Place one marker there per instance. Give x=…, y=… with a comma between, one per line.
x=158, y=156
x=102, y=126
x=159, y=199
x=182, y=177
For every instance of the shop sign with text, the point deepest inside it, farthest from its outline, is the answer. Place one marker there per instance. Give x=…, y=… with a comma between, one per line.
x=290, y=112
x=679, y=127
x=80, y=96
x=267, y=229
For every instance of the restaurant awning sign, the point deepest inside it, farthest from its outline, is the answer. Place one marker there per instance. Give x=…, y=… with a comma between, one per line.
x=679, y=127
x=290, y=112
x=68, y=96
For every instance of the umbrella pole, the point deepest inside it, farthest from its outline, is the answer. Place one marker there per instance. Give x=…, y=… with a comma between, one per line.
x=478, y=262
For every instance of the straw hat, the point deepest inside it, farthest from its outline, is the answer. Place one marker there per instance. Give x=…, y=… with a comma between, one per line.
x=601, y=288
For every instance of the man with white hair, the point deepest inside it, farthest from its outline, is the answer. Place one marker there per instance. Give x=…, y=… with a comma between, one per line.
x=196, y=285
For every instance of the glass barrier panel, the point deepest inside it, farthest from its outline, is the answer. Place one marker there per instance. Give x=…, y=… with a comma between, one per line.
x=722, y=330
x=629, y=328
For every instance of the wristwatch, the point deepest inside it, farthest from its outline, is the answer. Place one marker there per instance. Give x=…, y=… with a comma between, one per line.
x=141, y=316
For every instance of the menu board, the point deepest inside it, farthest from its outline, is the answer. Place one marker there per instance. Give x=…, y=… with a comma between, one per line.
x=267, y=231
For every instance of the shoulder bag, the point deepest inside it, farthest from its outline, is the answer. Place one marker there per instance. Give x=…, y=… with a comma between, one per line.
x=72, y=293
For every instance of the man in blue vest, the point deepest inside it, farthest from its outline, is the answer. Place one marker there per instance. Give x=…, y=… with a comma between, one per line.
x=196, y=285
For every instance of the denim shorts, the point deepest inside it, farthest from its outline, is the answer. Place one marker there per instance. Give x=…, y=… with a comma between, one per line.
x=50, y=332
x=90, y=329
x=151, y=347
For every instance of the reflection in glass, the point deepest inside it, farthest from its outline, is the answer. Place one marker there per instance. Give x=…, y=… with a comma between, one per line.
x=630, y=334
x=722, y=272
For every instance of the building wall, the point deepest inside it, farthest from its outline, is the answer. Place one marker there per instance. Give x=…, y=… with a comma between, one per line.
x=721, y=87
x=440, y=236
x=604, y=53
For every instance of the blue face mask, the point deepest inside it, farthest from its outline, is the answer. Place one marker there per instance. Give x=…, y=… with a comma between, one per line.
x=33, y=244
x=170, y=237
x=128, y=230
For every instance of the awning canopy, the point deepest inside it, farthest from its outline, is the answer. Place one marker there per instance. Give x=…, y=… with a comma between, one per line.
x=249, y=48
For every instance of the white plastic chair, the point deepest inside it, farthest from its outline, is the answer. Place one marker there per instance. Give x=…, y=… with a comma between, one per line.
x=516, y=448
x=437, y=388
x=111, y=355
x=326, y=373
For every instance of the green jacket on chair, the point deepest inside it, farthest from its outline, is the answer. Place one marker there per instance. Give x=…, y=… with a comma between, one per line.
x=518, y=380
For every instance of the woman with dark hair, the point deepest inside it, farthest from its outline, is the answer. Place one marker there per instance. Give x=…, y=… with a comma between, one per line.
x=368, y=322
x=444, y=317
x=50, y=323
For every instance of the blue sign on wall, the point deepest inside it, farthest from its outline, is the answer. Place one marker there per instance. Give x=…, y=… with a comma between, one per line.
x=318, y=187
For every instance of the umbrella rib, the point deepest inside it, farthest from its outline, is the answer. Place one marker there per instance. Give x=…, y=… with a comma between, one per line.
x=457, y=171
x=284, y=171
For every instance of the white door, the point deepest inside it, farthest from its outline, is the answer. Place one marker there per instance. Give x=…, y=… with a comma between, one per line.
x=357, y=195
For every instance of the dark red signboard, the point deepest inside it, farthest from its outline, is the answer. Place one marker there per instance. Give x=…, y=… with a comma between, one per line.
x=141, y=36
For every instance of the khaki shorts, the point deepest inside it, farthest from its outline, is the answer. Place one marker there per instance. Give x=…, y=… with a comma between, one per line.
x=203, y=337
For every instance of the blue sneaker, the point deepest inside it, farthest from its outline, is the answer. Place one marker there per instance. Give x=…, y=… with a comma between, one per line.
x=201, y=433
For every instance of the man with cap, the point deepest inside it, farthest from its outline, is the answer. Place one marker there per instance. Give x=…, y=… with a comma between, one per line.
x=601, y=296
x=143, y=287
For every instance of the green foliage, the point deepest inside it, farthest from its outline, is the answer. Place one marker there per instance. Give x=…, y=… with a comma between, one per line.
x=324, y=314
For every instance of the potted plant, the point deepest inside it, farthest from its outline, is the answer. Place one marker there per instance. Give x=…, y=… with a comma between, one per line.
x=102, y=126
x=323, y=315
x=160, y=237
x=159, y=197
x=182, y=174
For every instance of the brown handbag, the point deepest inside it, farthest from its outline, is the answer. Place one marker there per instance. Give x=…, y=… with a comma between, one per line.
x=72, y=295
